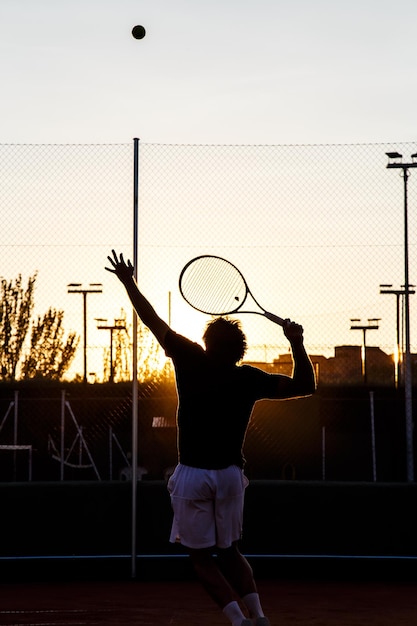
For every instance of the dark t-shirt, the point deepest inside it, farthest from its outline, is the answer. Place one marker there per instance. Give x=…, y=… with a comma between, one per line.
x=214, y=405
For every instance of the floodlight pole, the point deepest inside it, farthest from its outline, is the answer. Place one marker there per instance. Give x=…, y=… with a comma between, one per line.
x=118, y=325
x=77, y=288
x=398, y=293
x=395, y=161
x=372, y=325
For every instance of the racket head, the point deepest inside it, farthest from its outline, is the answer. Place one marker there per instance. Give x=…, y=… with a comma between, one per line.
x=213, y=285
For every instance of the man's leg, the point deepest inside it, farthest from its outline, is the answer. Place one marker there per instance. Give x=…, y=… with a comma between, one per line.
x=239, y=574
x=214, y=582
x=236, y=569
x=210, y=576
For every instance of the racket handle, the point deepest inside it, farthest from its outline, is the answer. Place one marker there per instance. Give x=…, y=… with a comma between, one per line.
x=274, y=318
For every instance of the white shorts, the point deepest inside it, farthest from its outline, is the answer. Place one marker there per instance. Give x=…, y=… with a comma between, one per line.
x=207, y=506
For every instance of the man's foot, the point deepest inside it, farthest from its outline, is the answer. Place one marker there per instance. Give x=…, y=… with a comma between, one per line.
x=262, y=621
x=247, y=622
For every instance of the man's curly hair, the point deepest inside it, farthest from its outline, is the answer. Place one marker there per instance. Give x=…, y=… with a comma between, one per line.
x=224, y=338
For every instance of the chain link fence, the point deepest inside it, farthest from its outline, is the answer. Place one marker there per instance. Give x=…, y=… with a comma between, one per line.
x=315, y=229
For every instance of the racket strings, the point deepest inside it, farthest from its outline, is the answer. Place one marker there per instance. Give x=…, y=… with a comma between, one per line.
x=213, y=285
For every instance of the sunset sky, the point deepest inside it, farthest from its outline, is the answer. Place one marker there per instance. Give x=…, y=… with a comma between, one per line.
x=231, y=73
x=224, y=71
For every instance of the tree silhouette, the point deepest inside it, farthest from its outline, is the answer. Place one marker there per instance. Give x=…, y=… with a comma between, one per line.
x=15, y=310
x=50, y=355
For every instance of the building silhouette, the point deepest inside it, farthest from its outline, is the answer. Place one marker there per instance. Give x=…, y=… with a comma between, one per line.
x=345, y=367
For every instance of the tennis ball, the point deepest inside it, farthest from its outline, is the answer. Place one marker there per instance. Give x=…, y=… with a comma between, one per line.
x=138, y=32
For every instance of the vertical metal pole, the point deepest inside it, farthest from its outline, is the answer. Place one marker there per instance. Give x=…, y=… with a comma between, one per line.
x=62, y=452
x=111, y=377
x=16, y=413
x=85, y=333
x=408, y=384
x=15, y=407
x=398, y=359
x=110, y=453
x=407, y=369
x=135, y=355
x=373, y=448
x=364, y=368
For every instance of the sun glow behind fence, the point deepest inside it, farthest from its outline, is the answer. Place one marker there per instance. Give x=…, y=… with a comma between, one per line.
x=315, y=230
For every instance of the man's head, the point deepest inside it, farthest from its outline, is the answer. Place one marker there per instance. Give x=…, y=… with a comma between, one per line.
x=225, y=341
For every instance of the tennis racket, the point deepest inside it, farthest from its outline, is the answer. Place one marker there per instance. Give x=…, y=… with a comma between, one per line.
x=215, y=286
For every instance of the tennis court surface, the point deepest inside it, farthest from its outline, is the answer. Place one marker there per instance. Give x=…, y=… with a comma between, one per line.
x=183, y=603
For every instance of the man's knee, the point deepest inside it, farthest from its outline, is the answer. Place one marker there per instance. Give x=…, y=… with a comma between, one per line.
x=201, y=555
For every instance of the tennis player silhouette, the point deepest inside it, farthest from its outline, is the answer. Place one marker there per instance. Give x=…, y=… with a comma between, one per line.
x=216, y=396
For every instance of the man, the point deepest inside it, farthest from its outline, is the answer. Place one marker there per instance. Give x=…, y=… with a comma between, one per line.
x=215, y=401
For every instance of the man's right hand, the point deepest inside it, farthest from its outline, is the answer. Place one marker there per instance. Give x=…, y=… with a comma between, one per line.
x=293, y=331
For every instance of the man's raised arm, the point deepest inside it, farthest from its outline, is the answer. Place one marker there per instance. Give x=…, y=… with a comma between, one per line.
x=144, y=309
x=303, y=380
